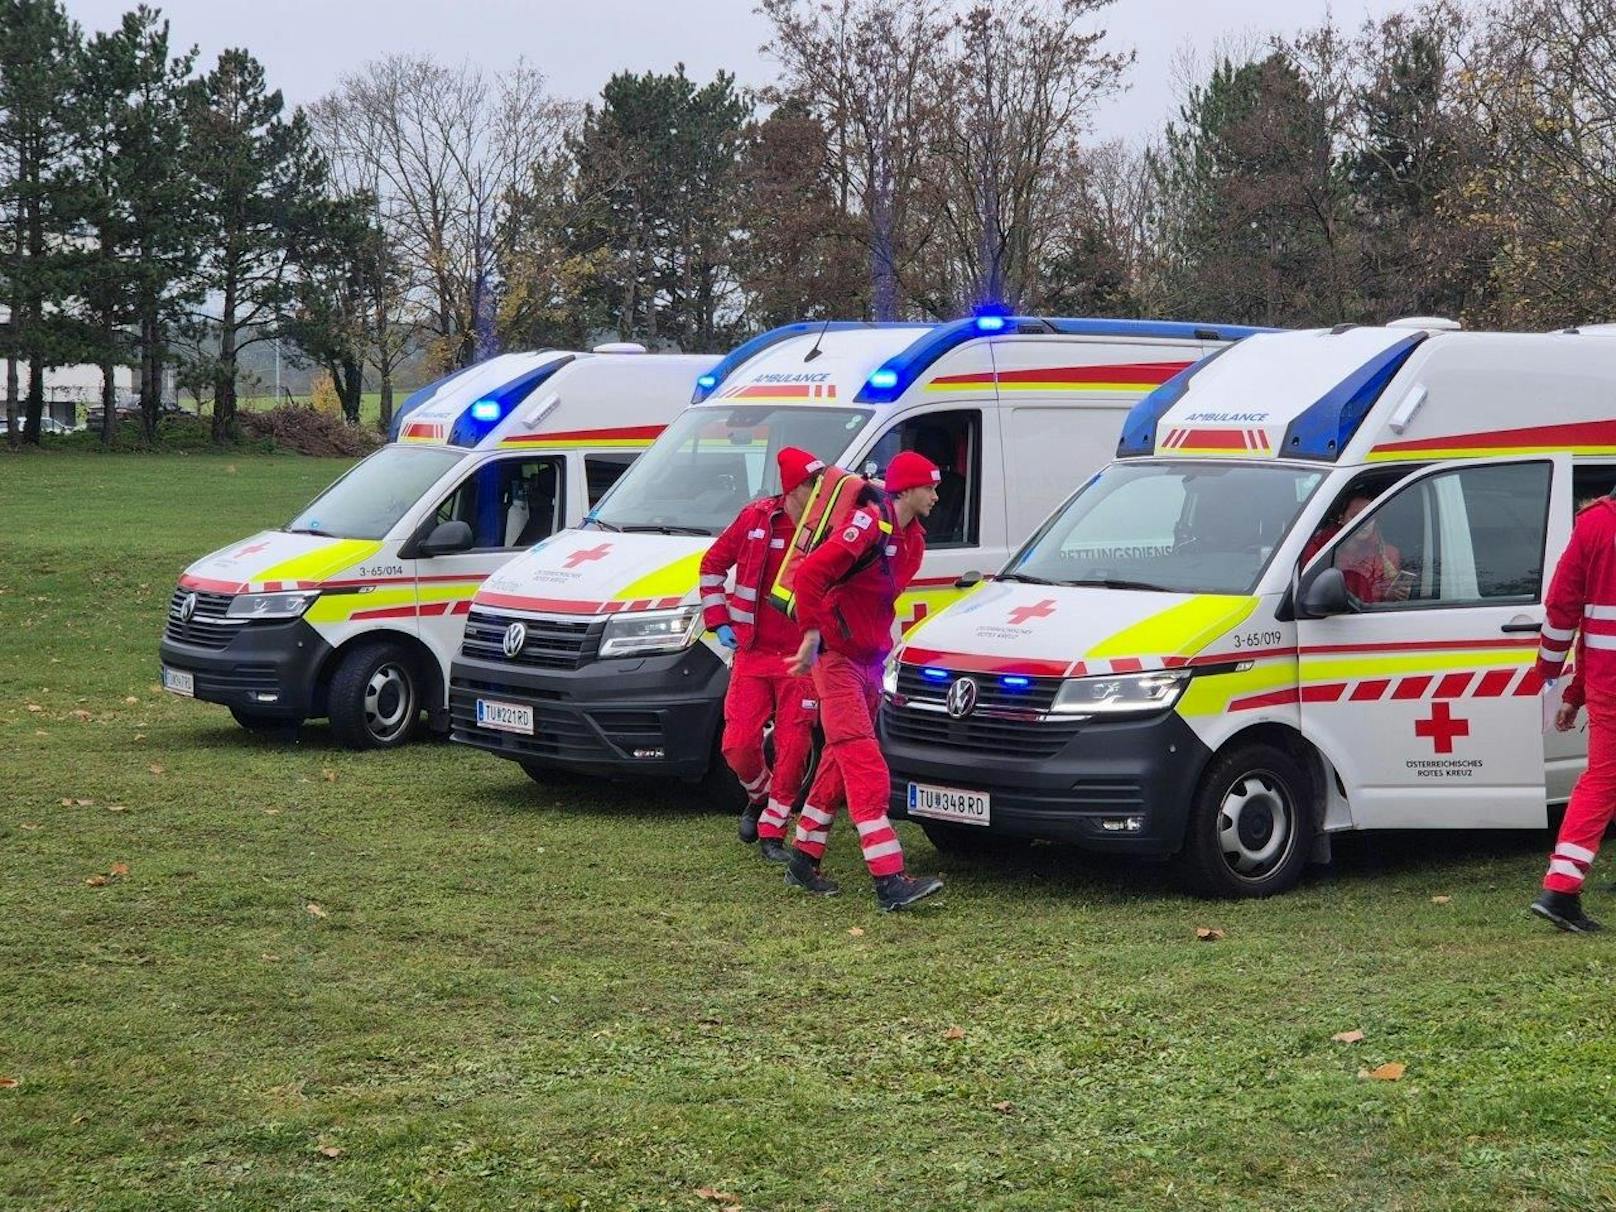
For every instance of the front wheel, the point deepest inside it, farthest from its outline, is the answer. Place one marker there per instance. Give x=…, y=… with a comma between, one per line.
x=1251, y=824
x=375, y=697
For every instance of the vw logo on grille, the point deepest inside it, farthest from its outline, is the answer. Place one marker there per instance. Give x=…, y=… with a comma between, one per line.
x=187, y=607
x=962, y=698
x=515, y=637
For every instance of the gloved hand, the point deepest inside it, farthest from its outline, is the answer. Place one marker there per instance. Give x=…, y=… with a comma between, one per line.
x=726, y=636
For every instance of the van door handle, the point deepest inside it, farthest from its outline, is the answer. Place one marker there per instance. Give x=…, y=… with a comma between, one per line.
x=1521, y=627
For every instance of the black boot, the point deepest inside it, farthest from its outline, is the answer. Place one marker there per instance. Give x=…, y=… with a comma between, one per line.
x=900, y=890
x=749, y=820
x=1564, y=909
x=773, y=850
x=803, y=872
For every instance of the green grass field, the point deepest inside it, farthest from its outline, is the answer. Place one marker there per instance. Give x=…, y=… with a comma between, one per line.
x=418, y=980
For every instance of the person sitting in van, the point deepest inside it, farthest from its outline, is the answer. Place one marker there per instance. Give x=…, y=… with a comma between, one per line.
x=1372, y=567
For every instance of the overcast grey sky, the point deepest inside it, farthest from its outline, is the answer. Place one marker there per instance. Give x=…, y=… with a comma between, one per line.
x=307, y=44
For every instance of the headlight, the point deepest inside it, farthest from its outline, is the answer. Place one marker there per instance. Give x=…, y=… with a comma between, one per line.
x=1119, y=695
x=889, y=676
x=651, y=631
x=270, y=605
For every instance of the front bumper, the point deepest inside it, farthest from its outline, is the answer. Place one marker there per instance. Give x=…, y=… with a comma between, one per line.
x=652, y=716
x=1143, y=768
x=268, y=669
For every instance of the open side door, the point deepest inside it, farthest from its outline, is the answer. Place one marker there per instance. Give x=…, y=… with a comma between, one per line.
x=1418, y=628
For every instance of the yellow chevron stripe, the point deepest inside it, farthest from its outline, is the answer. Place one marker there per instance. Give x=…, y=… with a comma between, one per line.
x=323, y=562
x=1181, y=630
x=676, y=580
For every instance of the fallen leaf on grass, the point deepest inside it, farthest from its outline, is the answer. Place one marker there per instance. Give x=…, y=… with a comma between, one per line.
x=118, y=869
x=117, y=807
x=268, y=958
x=31, y=825
x=954, y=1033
x=1441, y=900
x=140, y=736
x=328, y=774
x=856, y=931
x=9, y=1083
x=330, y=1151
x=1004, y=1108
x=130, y=699
x=315, y=910
x=718, y=1197
x=156, y=769
x=40, y=732
x=83, y=716
x=1208, y=934
x=97, y=881
x=35, y=707
x=1391, y=1071
x=1348, y=1037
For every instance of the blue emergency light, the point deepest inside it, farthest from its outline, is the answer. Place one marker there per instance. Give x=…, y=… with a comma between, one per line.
x=934, y=675
x=1015, y=681
x=884, y=379
x=989, y=323
x=707, y=382
x=485, y=410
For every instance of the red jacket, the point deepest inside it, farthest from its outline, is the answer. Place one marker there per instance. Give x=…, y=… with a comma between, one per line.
x=754, y=544
x=1582, y=597
x=854, y=617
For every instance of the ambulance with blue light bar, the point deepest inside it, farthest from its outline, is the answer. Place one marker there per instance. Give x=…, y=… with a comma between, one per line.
x=1305, y=598
x=588, y=653
x=353, y=610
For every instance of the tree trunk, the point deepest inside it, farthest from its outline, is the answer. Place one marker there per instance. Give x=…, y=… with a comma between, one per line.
x=13, y=430
x=151, y=388
x=351, y=383
x=109, y=394
x=36, y=397
x=386, y=418
x=224, y=375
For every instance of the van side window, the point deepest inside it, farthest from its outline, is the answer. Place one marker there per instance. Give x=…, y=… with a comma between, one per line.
x=1589, y=482
x=508, y=503
x=1350, y=502
x=601, y=471
x=953, y=441
x=1471, y=536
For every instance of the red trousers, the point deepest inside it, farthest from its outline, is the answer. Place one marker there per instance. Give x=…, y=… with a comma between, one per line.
x=760, y=689
x=851, y=768
x=1593, y=803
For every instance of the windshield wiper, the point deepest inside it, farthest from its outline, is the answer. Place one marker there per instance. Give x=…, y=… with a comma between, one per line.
x=1025, y=578
x=1114, y=583
x=603, y=525
x=324, y=534
x=660, y=528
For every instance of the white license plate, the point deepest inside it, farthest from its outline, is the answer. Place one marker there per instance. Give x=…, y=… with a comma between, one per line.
x=504, y=717
x=177, y=681
x=949, y=804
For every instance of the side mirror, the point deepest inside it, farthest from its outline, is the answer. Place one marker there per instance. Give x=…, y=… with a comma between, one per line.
x=968, y=580
x=1324, y=595
x=446, y=539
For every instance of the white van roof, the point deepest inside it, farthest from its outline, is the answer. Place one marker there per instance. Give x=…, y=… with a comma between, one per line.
x=550, y=398
x=1359, y=394
x=847, y=362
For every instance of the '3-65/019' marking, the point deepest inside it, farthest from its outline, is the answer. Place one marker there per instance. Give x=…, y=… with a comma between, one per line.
x=1259, y=639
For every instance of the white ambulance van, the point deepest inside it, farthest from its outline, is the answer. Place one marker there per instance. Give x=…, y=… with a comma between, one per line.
x=1304, y=598
x=354, y=609
x=588, y=652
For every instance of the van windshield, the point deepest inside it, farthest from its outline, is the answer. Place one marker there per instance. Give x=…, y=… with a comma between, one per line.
x=716, y=458
x=1178, y=527
x=374, y=494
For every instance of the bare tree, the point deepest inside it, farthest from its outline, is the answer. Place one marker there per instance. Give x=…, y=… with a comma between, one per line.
x=870, y=71
x=443, y=150
x=1023, y=85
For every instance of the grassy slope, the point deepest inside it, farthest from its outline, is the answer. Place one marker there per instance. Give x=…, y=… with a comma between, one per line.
x=587, y=996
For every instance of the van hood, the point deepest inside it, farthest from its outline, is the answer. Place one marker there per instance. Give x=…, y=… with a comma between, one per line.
x=599, y=572
x=274, y=560
x=1060, y=631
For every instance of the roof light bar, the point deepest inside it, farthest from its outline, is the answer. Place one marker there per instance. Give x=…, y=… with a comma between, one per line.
x=708, y=383
x=1139, y=430
x=1324, y=430
x=472, y=426
x=419, y=397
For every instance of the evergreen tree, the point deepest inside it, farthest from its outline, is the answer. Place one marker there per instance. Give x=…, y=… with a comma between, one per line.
x=39, y=52
x=260, y=185
x=344, y=254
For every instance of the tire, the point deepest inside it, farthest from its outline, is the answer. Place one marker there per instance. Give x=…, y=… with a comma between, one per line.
x=276, y=727
x=1251, y=824
x=374, y=700
x=972, y=841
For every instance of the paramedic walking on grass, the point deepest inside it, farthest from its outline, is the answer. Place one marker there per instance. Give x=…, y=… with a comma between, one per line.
x=1582, y=597
x=847, y=591
x=764, y=643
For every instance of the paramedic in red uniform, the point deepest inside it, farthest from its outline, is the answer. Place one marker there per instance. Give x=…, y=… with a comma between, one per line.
x=1582, y=597
x=764, y=643
x=847, y=591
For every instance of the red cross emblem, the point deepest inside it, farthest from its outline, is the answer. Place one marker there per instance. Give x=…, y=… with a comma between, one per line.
x=253, y=550
x=1441, y=728
x=917, y=616
x=585, y=554
x=1020, y=615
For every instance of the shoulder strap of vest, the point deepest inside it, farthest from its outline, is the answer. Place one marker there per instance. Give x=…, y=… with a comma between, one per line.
x=888, y=524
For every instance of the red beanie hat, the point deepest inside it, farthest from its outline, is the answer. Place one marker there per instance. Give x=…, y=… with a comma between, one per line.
x=795, y=467
x=911, y=470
